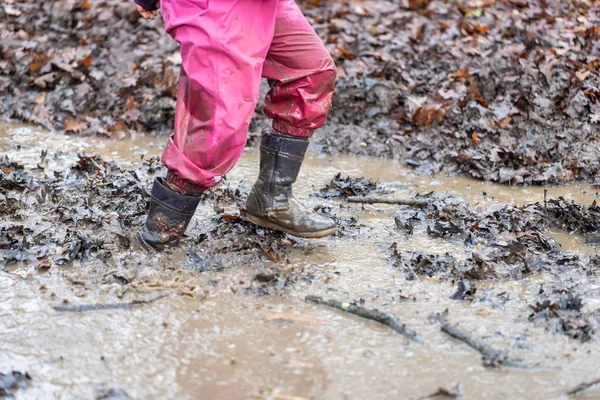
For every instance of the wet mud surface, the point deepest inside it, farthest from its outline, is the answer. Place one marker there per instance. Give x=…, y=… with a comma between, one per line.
x=502, y=90
x=81, y=308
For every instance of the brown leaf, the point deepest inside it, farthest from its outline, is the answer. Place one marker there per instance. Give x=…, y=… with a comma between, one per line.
x=274, y=257
x=581, y=75
x=475, y=138
x=461, y=75
x=502, y=124
x=40, y=99
x=345, y=52
x=87, y=62
x=75, y=125
x=120, y=126
x=418, y=4
x=473, y=93
x=131, y=104
x=231, y=218
x=36, y=66
x=430, y=112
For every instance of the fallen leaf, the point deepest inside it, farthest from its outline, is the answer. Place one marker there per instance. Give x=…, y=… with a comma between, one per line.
x=581, y=75
x=430, y=112
x=40, y=99
x=75, y=125
x=345, y=52
x=475, y=138
x=44, y=80
x=504, y=123
x=461, y=75
x=87, y=61
x=131, y=104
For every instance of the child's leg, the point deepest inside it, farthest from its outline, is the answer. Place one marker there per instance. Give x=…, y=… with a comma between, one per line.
x=301, y=74
x=223, y=47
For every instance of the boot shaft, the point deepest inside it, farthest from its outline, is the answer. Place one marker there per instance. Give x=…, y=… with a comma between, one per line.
x=280, y=161
x=168, y=217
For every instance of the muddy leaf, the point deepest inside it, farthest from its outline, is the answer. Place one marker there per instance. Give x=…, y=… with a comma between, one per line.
x=12, y=381
x=465, y=291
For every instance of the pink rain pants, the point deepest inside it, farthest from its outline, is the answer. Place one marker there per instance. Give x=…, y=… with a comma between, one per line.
x=226, y=46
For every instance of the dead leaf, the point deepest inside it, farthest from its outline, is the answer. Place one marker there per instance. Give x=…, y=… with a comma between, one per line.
x=87, y=61
x=75, y=125
x=502, y=124
x=131, y=104
x=44, y=80
x=581, y=75
x=461, y=75
x=120, y=126
x=430, y=112
x=345, y=52
x=39, y=61
x=40, y=99
x=475, y=138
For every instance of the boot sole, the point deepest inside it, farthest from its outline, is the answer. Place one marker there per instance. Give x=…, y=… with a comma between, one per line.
x=272, y=225
x=144, y=245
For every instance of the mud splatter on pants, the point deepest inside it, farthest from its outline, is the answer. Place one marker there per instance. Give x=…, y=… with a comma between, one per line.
x=226, y=47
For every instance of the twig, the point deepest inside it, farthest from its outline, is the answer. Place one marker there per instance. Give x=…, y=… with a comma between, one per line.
x=545, y=205
x=378, y=316
x=387, y=200
x=109, y=306
x=490, y=357
x=583, y=386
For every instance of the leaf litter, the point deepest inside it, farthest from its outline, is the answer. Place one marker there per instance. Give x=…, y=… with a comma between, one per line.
x=499, y=90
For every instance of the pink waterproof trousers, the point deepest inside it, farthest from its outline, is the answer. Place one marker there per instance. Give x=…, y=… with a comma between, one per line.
x=226, y=46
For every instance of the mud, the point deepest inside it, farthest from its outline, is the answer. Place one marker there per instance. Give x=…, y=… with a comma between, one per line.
x=502, y=91
x=235, y=324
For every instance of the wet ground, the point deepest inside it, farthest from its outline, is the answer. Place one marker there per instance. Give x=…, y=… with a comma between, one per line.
x=235, y=324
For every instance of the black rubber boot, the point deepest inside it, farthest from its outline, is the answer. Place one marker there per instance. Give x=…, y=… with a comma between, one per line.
x=271, y=203
x=169, y=216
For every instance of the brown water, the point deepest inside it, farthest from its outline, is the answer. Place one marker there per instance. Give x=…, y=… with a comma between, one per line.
x=226, y=344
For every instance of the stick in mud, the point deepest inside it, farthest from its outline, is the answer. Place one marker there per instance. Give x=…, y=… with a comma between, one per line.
x=378, y=316
x=387, y=200
x=109, y=306
x=582, y=386
x=490, y=357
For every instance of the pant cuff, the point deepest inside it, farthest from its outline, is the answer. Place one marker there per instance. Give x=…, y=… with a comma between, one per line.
x=184, y=185
x=287, y=129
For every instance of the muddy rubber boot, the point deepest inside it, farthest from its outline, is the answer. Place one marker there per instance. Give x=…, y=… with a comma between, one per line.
x=270, y=203
x=169, y=215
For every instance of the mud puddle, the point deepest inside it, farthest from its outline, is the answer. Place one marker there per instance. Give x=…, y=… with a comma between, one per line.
x=215, y=336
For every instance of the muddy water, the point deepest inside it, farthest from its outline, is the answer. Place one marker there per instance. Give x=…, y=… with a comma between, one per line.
x=227, y=344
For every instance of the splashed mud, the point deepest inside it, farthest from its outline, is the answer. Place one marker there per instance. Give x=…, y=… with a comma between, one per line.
x=234, y=323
